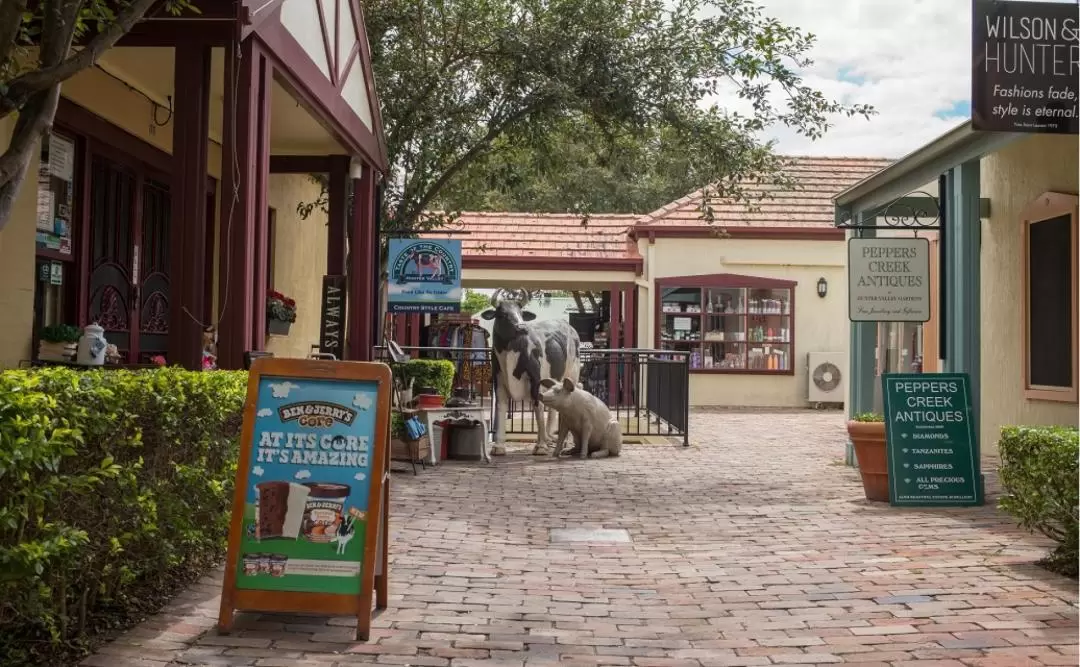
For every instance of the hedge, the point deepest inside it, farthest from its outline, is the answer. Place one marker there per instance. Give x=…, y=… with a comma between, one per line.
x=437, y=373
x=116, y=490
x=1038, y=475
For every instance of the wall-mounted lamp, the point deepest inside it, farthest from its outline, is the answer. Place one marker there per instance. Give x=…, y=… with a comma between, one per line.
x=822, y=287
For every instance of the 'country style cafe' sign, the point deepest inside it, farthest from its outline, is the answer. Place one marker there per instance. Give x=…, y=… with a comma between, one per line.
x=1025, y=62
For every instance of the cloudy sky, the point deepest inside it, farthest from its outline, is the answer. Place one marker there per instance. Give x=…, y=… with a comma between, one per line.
x=910, y=59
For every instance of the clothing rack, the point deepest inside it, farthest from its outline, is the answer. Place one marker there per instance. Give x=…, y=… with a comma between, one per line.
x=472, y=370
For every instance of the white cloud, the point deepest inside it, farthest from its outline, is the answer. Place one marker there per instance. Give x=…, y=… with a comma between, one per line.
x=359, y=476
x=265, y=412
x=303, y=474
x=282, y=389
x=362, y=400
x=257, y=471
x=910, y=60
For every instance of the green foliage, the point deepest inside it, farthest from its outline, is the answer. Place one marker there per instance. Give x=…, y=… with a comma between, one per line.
x=60, y=333
x=397, y=425
x=465, y=81
x=437, y=373
x=117, y=487
x=1038, y=474
x=868, y=417
x=474, y=302
x=579, y=168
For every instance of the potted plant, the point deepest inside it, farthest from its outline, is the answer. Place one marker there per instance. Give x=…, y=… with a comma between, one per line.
x=59, y=342
x=432, y=380
x=280, y=313
x=867, y=432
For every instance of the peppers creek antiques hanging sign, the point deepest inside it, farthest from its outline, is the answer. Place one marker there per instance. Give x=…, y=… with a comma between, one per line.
x=309, y=506
x=1025, y=62
x=888, y=280
x=331, y=329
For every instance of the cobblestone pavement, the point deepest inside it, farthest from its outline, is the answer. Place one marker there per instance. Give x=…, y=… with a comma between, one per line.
x=752, y=547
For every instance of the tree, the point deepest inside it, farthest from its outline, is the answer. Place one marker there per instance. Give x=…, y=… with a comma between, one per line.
x=463, y=81
x=577, y=168
x=30, y=78
x=473, y=302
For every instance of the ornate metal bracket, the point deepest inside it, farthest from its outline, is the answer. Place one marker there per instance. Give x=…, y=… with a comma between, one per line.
x=916, y=211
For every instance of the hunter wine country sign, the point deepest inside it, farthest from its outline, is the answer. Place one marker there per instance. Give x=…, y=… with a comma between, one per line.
x=1025, y=62
x=308, y=530
x=425, y=276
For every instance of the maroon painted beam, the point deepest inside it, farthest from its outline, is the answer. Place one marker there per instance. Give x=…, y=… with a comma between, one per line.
x=303, y=164
x=178, y=32
x=245, y=163
x=188, y=274
x=630, y=368
x=614, y=325
x=360, y=309
x=337, y=194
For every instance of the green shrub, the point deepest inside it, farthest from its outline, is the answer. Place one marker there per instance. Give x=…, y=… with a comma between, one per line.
x=437, y=373
x=1038, y=475
x=117, y=488
x=868, y=417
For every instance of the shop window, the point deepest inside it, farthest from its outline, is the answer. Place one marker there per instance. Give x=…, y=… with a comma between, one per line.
x=271, y=242
x=728, y=323
x=1050, y=298
x=55, y=277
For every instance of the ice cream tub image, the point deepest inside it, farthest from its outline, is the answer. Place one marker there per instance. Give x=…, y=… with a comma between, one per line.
x=324, y=510
x=251, y=564
x=281, y=509
x=278, y=562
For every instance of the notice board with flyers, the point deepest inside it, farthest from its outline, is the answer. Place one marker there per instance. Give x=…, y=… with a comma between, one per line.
x=309, y=518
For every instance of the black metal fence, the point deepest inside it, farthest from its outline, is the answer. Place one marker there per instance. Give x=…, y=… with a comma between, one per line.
x=648, y=391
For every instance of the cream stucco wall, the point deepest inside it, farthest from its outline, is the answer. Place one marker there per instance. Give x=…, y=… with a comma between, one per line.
x=1012, y=178
x=544, y=279
x=17, y=265
x=821, y=325
x=300, y=259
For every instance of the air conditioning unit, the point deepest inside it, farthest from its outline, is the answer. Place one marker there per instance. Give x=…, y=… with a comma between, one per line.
x=825, y=381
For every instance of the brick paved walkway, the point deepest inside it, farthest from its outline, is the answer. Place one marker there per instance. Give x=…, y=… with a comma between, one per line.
x=752, y=547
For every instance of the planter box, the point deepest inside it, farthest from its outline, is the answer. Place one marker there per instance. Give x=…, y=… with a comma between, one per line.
x=277, y=327
x=868, y=438
x=57, y=351
x=410, y=451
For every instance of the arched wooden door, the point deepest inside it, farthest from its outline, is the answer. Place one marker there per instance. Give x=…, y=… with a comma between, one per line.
x=129, y=270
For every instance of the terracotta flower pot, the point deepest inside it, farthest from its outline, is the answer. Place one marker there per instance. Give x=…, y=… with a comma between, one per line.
x=427, y=401
x=869, y=441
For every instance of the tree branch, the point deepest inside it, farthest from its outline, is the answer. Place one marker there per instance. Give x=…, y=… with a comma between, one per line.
x=11, y=16
x=23, y=86
x=468, y=156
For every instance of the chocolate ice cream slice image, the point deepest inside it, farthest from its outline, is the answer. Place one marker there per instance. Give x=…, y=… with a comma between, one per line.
x=281, y=509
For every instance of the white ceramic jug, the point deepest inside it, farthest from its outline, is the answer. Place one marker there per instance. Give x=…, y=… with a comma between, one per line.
x=92, y=346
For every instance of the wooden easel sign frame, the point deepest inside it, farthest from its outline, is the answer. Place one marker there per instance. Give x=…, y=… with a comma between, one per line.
x=309, y=518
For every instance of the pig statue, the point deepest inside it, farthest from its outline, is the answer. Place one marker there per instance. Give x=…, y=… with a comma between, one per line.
x=582, y=414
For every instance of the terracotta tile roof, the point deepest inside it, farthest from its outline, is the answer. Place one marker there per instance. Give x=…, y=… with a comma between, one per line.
x=809, y=204
x=543, y=235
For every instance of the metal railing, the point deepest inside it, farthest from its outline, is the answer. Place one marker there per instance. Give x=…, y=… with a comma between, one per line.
x=648, y=391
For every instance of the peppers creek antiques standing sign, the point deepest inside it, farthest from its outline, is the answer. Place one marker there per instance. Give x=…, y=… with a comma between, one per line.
x=309, y=508
x=930, y=437
x=1025, y=62
x=331, y=328
x=888, y=280
x=425, y=276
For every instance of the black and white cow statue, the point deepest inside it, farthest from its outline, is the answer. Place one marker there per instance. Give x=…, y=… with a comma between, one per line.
x=524, y=353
